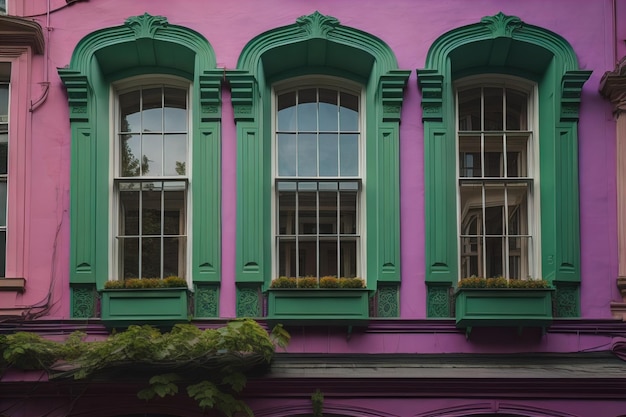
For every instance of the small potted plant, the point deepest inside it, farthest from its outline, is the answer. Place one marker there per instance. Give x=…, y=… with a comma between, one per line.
x=501, y=302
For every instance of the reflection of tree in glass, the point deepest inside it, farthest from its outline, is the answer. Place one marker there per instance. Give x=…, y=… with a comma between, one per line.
x=180, y=167
x=130, y=164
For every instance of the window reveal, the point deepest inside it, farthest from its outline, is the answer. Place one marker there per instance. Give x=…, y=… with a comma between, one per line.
x=318, y=183
x=5, y=71
x=495, y=182
x=152, y=182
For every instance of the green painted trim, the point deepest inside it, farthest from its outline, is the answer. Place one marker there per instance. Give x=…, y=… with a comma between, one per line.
x=83, y=301
x=207, y=300
x=249, y=300
x=310, y=306
x=545, y=58
x=330, y=49
x=127, y=306
x=498, y=307
x=143, y=41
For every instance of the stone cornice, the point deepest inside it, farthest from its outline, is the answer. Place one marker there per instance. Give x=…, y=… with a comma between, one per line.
x=23, y=32
x=613, y=86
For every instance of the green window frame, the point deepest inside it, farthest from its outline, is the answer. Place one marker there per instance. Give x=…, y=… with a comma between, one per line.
x=144, y=46
x=316, y=45
x=504, y=45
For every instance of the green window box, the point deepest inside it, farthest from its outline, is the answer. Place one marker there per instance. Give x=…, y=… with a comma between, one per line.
x=127, y=306
x=318, y=306
x=503, y=307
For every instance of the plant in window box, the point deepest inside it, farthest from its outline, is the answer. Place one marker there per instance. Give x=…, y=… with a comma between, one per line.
x=331, y=301
x=498, y=302
x=145, y=299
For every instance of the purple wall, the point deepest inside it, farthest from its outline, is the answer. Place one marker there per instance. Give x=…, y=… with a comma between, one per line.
x=409, y=27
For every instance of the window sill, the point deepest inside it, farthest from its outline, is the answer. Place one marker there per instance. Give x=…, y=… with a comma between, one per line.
x=503, y=307
x=127, y=306
x=318, y=306
x=12, y=284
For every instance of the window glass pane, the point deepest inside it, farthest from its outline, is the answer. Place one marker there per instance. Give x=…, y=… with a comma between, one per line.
x=328, y=110
x=152, y=115
x=152, y=155
x=516, y=110
x=286, y=144
x=348, y=214
x=307, y=213
x=516, y=151
x=307, y=155
x=129, y=249
x=151, y=208
x=470, y=156
x=328, y=258
x=347, y=264
x=151, y=257
x=349, y=112
x=328, y=212
x=3, y=206
x=307, y=259
x=173, y=256
x=517, y=208
x=329, y=149
x=129, y=209
x=130, y=150
x=286, y=213
x=471, y=257
x=175, y=112
x=174, y=206
x=494, y=259
x=287, y=112
x=493, y=108
x=307, y=110
x=175, y=155
x=4, y=152
x=130, y=115
x=469, y=109
x=494, y=150
x=286, y=257
x=3, y=251
x=349, y=155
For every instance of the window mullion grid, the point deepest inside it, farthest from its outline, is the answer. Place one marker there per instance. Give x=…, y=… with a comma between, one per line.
x=483, y=254
x=505, y=226
x=317, y=232
x=140, y=242
x=297, y=231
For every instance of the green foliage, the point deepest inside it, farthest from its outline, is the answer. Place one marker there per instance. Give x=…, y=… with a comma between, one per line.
x=284, y=282
x=317, y=399
x=133, y=283
x=329, y=282
x=307, y=282
x=351, y=283
x=501, y=282
x=214, y=361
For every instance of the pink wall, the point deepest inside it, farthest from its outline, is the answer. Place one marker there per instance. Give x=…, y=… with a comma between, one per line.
x=409, y=27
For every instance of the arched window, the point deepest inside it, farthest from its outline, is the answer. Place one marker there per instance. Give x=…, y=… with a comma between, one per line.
x=533, y=229
x=347, y=213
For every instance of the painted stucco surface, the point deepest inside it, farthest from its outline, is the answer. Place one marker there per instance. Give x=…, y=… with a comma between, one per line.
x=409, y=27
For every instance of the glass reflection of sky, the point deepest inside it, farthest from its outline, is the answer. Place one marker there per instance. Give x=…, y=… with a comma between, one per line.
x=154, y=125
x=317, y=133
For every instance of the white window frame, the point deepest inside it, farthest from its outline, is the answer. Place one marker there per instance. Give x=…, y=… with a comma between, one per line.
x=121, y=87
x=534, y=219
x=339, y=84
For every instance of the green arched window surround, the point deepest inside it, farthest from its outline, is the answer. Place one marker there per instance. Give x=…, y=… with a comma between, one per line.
x=144, y=45
x=504, y=45
x=314, y=45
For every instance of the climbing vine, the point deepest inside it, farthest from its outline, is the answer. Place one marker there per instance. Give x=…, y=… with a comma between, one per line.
x=212, y=364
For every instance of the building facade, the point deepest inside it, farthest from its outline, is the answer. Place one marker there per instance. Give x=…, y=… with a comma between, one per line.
x=429, y=196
